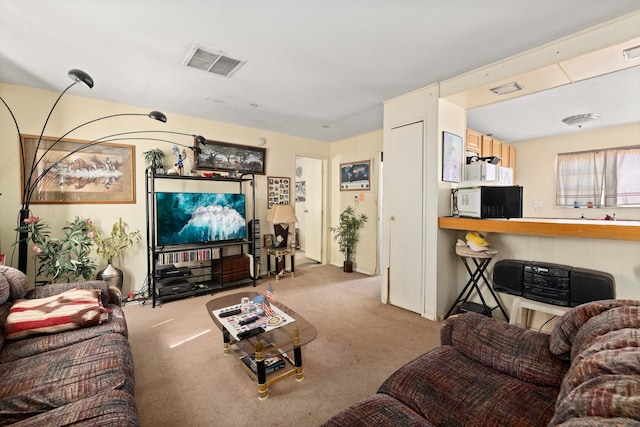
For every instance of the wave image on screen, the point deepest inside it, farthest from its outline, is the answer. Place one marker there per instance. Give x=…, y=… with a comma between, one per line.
x=200, y=217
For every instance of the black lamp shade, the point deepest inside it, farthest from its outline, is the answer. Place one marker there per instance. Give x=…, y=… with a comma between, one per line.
x=80, y=76
x=159, y=116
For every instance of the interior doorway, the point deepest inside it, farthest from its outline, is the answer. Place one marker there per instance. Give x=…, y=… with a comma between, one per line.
x=309, y=196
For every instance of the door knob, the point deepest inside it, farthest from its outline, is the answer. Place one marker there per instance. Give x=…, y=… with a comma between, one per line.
x=392, y=218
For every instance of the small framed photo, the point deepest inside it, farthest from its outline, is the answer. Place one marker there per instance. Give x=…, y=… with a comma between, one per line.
x=452, y=155
x=355, y=176
x=267, y=240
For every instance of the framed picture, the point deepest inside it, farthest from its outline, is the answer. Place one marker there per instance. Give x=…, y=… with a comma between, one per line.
x=223, y=156
x=278, y=187
x=301, y=191
x=451, y=157
x=355, y=176
x=74, y=171
x=267, y=241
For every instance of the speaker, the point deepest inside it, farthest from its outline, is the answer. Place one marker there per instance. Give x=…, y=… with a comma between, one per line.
x=590, y=285
x=508, y=276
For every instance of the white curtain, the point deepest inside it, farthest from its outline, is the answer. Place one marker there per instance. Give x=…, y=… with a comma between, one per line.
x=580, y=178
x=622, y=177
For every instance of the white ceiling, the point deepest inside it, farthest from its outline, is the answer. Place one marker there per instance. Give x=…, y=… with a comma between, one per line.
x=319, y=70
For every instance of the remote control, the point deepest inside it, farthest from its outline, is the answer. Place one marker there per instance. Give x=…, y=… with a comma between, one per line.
x=230, y=312
x=248, y=320
x=250, y=333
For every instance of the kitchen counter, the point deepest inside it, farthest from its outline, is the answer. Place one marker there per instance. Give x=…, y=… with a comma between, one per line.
x=590, y=229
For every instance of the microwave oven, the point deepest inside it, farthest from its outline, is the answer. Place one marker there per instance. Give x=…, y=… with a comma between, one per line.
x=487, y=202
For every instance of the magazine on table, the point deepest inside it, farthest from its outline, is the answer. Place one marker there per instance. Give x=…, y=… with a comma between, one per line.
x=235, y=323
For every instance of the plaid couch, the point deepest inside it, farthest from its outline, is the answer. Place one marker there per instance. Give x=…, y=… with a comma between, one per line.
x=488, y=373
x=81, y=376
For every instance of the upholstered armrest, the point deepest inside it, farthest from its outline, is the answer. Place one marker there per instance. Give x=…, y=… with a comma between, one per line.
x=518, y=352
x=109, y=295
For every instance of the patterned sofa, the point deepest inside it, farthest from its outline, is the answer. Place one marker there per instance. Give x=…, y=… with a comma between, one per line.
x=489, y=373
x=82, y=375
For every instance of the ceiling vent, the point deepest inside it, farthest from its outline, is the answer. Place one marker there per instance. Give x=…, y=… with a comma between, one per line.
x=213, y=62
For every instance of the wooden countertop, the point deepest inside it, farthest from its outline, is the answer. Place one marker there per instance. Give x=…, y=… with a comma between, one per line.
x=590, y=229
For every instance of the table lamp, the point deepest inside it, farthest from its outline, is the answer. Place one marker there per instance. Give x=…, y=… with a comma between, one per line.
x=280, y=216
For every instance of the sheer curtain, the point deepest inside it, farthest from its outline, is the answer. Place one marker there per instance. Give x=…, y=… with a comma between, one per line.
x=604, y=178
x=580, y=178
x=622, y=177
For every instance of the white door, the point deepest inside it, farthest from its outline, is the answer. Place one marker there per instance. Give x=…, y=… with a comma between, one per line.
x=313, y=211
x=309, y=171
x=403, y=171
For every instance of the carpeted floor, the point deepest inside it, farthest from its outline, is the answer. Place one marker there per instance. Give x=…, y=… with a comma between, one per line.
x=184, y=378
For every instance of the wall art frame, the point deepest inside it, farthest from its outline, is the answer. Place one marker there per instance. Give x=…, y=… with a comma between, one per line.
x=301, y=191
x=224, y=156
x=77, y=172
x=452, y=154
x=279, y=188
x=355, y=176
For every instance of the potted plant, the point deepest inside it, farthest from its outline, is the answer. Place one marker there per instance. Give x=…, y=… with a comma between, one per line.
x=61, y=258
x=155, y=158
x=346, y=234
x=110, y=246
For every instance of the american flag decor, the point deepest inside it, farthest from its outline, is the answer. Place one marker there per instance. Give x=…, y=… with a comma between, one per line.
x=268, y=294
x=266, y=307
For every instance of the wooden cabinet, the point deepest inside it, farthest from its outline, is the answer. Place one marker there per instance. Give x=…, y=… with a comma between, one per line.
x=474, y=141
x=487, y=146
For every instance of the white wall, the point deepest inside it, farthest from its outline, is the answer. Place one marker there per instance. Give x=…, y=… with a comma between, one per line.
x=31, y=107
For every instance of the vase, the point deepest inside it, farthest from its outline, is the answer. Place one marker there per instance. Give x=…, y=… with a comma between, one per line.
x=112, y=275
x=347, y=267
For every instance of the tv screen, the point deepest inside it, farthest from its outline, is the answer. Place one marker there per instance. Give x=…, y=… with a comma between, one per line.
x=183, y=218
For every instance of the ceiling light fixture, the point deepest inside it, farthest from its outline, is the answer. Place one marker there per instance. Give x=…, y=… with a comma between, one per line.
x=507, y=88
x=580, y=119
x=631, y=53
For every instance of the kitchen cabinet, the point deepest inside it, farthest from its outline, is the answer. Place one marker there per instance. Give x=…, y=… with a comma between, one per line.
x=474, y=141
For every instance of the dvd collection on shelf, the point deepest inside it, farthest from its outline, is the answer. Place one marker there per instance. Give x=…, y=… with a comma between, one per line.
x=271, y=363
x=195, y=255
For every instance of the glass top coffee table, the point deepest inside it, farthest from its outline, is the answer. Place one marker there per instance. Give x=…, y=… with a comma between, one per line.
x=264, y=347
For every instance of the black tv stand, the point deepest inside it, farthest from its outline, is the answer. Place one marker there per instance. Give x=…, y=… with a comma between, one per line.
x=180, y=271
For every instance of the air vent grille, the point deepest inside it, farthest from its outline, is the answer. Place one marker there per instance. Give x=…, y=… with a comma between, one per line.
x=213, y=62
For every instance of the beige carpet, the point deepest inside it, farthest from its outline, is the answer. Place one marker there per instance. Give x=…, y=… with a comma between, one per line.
x=183, y=378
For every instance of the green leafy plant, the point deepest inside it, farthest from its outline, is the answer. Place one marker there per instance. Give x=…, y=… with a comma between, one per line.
x=65, y=257
x=346, y=233
x=156, y=158
x=109, y=246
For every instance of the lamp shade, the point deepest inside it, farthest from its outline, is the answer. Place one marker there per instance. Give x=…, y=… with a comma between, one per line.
x=282, y=214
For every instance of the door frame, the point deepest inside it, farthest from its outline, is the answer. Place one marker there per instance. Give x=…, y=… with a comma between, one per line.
x=325, y=199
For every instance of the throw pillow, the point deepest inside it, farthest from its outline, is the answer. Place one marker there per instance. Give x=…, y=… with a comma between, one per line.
x=76, y=308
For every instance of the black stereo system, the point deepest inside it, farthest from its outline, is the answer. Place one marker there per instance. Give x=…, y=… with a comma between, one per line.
x=552, y=283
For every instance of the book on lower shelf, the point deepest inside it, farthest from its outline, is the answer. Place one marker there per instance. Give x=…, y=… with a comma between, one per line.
x=271, y=363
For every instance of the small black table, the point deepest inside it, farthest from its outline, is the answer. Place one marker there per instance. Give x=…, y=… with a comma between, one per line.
x=481, y=260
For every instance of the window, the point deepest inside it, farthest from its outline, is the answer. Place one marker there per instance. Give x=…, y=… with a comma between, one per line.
x=609, y=178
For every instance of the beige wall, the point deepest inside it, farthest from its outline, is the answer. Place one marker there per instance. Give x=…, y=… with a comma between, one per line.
x=361, y=147
x=536, y=168
x=31, y=107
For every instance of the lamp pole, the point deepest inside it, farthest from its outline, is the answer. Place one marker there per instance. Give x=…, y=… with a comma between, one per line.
x=31, y=181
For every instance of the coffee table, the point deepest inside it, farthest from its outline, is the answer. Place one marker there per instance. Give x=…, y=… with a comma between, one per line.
x=288, y=337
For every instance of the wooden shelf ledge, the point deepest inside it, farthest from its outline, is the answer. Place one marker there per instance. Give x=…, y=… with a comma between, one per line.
x=590, y=229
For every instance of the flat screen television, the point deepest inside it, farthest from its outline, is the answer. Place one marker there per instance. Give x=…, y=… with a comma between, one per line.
x=183, y=218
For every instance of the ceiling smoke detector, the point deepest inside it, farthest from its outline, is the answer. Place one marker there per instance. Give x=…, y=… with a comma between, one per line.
x=580, y=119
x=212, y=61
